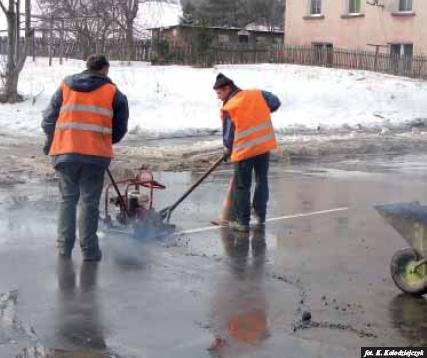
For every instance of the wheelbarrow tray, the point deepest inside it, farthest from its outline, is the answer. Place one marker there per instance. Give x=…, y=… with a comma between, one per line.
x=410, y=221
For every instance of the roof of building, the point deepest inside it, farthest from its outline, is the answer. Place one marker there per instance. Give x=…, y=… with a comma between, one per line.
x=250, y=28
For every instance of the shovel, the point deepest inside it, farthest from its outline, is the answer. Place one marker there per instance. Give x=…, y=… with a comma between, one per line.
x=167, y=212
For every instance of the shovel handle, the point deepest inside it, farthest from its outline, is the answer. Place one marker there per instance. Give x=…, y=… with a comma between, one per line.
x=171, y=208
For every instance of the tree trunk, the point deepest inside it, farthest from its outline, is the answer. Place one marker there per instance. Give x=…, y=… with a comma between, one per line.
x=130, y=44
x=11, y=38
x=84, y=45
x=18, y=29
x=11, y=89
x=15, y=63
x=50, y=40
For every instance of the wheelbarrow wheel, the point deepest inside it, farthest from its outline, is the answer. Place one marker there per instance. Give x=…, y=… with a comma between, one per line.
x=409, y=279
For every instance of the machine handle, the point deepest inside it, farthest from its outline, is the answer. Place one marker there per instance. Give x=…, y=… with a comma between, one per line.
x=167, y=212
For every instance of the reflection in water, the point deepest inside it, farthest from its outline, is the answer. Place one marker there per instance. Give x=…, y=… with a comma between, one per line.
x=240, y=309
x=79, y=325
x=408, y=314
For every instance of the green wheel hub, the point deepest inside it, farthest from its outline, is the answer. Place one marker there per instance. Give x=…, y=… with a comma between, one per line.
x=412, y=274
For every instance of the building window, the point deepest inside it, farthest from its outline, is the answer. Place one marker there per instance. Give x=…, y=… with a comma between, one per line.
x=315, y=7
x=223, y=38
x=354, y=6
x=243, y=36
x=401, y=56
x=405, y=5
x=401, y=50
x=243, y=39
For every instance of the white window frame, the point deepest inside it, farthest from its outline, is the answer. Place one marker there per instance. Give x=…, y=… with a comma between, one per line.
x=351, y=3
x=405, y=5
x=315, y=5
x=402, y=48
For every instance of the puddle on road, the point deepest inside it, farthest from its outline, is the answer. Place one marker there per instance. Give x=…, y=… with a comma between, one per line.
x=43, y=353
x=408, y=315
x=59, y=354
x=242, y=302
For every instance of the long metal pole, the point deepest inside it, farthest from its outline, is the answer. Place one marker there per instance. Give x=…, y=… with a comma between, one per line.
x=167, y=212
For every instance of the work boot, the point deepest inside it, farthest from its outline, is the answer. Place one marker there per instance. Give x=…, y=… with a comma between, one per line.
x=64, y=253
x=220, y=222
x=238, y=226
x=96, y=257
x=259, y=222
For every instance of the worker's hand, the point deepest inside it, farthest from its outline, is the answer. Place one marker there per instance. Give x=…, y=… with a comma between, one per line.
x=46, y=146
x=227, y=154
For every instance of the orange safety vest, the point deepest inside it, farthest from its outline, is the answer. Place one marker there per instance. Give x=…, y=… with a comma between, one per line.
x=251, y=327
x=254, y=132
x=85, y=123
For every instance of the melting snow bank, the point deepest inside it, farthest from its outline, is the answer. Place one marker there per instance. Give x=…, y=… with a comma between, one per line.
x=188, y=154
x=22, y=161
x=22, y=158
x=178, y=101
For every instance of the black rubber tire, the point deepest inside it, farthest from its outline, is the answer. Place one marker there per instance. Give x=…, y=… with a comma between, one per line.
x=398, y=266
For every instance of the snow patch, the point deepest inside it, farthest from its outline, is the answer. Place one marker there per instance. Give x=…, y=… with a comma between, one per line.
x=176, y=101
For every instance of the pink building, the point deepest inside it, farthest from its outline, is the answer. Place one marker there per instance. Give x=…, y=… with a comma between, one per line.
x=395, y=26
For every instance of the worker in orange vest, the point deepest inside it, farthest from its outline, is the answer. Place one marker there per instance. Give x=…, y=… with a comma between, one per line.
x=248, y=140
x=85, y=117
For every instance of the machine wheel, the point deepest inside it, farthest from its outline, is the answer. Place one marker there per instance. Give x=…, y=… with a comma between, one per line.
x=409, y=280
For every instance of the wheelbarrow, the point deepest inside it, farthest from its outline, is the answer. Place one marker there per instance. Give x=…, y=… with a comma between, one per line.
x=409, y=265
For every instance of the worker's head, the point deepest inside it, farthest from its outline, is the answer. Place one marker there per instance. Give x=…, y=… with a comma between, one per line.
x=223, y=87
x=98, y=64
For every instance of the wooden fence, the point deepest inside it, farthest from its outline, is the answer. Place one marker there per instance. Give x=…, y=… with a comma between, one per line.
x=114, y=49
x=410, y=66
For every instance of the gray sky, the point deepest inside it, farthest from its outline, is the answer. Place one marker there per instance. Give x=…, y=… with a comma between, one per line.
x=3, y=25
x=151, y=14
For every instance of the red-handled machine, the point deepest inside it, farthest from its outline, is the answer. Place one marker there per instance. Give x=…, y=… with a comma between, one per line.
x=134, y=204
x=137, y=199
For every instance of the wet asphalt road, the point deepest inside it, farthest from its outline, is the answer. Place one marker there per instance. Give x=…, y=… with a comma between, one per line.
x=240, y=295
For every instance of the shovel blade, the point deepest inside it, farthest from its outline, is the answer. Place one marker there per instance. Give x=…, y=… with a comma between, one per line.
x=152, y=226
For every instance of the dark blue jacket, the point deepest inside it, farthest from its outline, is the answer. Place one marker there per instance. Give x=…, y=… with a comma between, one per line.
x=85, y=82
x=273, y=103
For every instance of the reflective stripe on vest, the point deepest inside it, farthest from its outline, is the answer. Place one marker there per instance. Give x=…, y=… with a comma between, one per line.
x=249, y=131
x=84, y=127
x=85, y=122
x=253, y=142
x=89, y=109
x=254, y=132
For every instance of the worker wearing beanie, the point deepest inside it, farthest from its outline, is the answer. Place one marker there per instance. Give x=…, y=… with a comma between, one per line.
x=248, y=140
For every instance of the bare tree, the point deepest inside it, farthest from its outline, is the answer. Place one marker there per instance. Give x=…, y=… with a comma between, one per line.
x=93, y=22
x=15, y=58
x=89, y=22
x=127, y=12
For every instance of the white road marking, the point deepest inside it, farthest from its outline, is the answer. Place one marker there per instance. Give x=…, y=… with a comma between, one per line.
x=287, y=217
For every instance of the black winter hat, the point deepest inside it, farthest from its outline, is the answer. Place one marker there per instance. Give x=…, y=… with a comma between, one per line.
x=97, y=62
x=222, y=81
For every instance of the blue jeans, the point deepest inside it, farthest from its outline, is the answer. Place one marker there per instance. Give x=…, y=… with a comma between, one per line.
x=82, y=183
x=242, y=188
